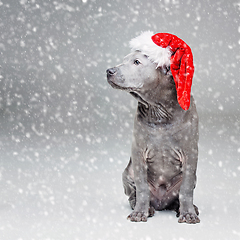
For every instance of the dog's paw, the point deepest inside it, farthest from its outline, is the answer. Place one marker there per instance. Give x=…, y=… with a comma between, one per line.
x=151, y=211
x=138, y=217
x=141, y=216
x=191, y=218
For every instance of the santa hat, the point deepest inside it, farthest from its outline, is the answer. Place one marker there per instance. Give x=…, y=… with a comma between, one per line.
x=169, y=50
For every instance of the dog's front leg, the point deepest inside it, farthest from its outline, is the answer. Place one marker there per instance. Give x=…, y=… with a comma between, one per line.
x=187, y=210
x=141, y=210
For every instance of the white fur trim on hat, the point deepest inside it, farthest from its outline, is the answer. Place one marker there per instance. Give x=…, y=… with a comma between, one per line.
x=157, y=54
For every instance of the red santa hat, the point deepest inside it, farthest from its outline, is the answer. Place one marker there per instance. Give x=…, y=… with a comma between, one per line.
x=169, y=50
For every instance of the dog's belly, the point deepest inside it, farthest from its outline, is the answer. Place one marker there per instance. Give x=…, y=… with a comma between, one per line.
x=164, y=175
x=164, y=194
x=164, y=157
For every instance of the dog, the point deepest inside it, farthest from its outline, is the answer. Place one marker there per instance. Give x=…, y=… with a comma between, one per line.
x=161, y=173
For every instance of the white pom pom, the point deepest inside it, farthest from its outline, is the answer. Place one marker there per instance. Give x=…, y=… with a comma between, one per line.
x=157, y=54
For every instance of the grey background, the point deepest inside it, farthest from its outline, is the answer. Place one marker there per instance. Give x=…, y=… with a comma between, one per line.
x=66, y=134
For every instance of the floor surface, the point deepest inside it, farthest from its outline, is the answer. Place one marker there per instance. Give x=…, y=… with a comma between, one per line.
x=64, y=189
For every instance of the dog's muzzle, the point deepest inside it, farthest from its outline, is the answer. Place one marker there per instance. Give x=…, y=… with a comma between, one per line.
x=111, y=71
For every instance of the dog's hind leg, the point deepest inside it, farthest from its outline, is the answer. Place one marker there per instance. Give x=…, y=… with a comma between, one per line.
x=129, y=185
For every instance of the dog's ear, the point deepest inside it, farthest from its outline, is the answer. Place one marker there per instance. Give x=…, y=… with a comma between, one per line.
x=165, y=70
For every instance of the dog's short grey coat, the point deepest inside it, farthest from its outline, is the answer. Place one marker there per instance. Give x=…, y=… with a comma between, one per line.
x=161, y=173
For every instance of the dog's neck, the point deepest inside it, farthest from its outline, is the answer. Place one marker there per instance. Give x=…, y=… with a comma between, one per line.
x=153, y=114
x=160, y=105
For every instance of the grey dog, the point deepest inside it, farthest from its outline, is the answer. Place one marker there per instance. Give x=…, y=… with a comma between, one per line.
x=161, y=173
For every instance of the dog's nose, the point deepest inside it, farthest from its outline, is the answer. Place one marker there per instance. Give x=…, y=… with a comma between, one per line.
x=111, y=71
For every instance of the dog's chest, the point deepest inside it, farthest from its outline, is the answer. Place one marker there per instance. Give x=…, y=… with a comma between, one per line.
x=161, y=147
x=165, y=160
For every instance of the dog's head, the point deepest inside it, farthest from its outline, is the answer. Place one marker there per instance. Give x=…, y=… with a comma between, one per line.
x=140, y=70
x=142, y=78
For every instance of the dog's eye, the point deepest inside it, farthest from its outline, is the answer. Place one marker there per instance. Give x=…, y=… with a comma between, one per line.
x=137, y=62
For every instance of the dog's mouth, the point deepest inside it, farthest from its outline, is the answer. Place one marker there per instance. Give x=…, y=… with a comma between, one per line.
x=114, y=85
x=130, y=90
